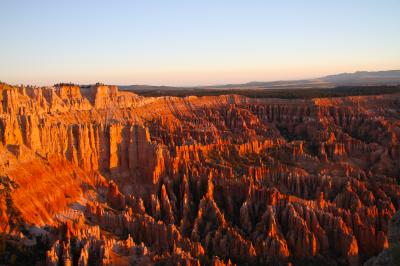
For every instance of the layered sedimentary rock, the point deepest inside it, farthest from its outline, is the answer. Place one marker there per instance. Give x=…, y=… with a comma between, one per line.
x=96, y=176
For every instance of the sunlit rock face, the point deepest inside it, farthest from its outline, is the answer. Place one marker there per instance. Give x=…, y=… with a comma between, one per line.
x=96, y=176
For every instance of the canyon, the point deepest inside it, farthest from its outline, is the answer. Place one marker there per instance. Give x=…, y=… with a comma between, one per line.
x=92, y=175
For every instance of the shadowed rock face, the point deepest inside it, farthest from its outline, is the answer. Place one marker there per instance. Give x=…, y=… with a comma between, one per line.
x=390, y=256
x=95, y=176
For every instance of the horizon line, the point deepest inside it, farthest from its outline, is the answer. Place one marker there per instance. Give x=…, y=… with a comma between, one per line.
x=198, y=86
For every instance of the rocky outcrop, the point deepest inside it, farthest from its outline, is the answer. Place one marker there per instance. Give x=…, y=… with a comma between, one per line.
x=94, y=175
x=391, y=255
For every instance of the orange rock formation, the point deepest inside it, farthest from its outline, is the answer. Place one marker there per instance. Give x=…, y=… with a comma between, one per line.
x=96, y=176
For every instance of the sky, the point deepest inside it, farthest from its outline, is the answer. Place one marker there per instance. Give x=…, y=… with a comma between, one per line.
x=181, y=43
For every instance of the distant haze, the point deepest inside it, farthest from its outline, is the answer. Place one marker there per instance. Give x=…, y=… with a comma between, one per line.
x=187, y=43
x=359, y=78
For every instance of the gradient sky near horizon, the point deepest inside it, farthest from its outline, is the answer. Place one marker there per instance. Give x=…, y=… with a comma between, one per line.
x=194, y=42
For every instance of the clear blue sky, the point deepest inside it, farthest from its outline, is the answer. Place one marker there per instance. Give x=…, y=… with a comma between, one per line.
x=194, y=42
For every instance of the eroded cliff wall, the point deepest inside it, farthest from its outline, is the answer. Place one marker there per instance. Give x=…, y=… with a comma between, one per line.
x=209, y=180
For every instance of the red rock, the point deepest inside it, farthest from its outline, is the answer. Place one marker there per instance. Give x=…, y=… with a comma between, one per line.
x=117, y=178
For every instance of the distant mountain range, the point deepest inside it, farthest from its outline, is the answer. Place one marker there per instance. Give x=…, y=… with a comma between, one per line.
x=359, y=78
x=391, y=77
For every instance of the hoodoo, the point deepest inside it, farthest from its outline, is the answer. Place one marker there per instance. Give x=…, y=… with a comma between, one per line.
x=96, y=176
